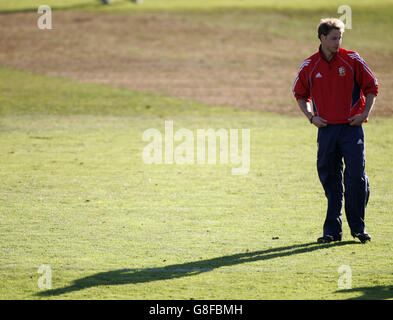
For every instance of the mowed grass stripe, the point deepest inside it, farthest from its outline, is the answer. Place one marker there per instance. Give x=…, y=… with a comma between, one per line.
x=286, y=18
x=191, y=4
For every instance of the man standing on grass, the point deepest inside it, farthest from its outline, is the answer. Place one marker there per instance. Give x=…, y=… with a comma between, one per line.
x=342, y=90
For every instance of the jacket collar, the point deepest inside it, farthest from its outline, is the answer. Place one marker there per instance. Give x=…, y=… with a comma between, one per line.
x=334, y=57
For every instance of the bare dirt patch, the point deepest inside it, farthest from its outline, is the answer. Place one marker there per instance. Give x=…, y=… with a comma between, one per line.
x=170, y=54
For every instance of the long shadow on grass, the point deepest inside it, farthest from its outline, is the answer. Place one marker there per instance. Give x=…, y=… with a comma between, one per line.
x=134, y=276
x=371, y=293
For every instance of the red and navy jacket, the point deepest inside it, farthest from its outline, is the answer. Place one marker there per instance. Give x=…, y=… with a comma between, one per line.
x=336, y=87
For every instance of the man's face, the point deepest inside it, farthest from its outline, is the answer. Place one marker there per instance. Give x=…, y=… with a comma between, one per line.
x=332, y=41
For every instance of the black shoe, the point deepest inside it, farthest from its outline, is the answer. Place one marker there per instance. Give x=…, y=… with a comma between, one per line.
x=363, y=237
x=328, y=239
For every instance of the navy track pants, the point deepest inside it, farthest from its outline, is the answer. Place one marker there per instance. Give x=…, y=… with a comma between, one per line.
x=337, y=144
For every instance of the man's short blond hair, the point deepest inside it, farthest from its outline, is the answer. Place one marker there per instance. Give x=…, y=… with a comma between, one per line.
x=328, y=24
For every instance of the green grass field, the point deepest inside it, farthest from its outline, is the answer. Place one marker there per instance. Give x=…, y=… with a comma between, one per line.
x=75, y=194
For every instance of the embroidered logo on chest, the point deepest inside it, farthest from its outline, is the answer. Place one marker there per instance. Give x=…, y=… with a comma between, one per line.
x=341, y=71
